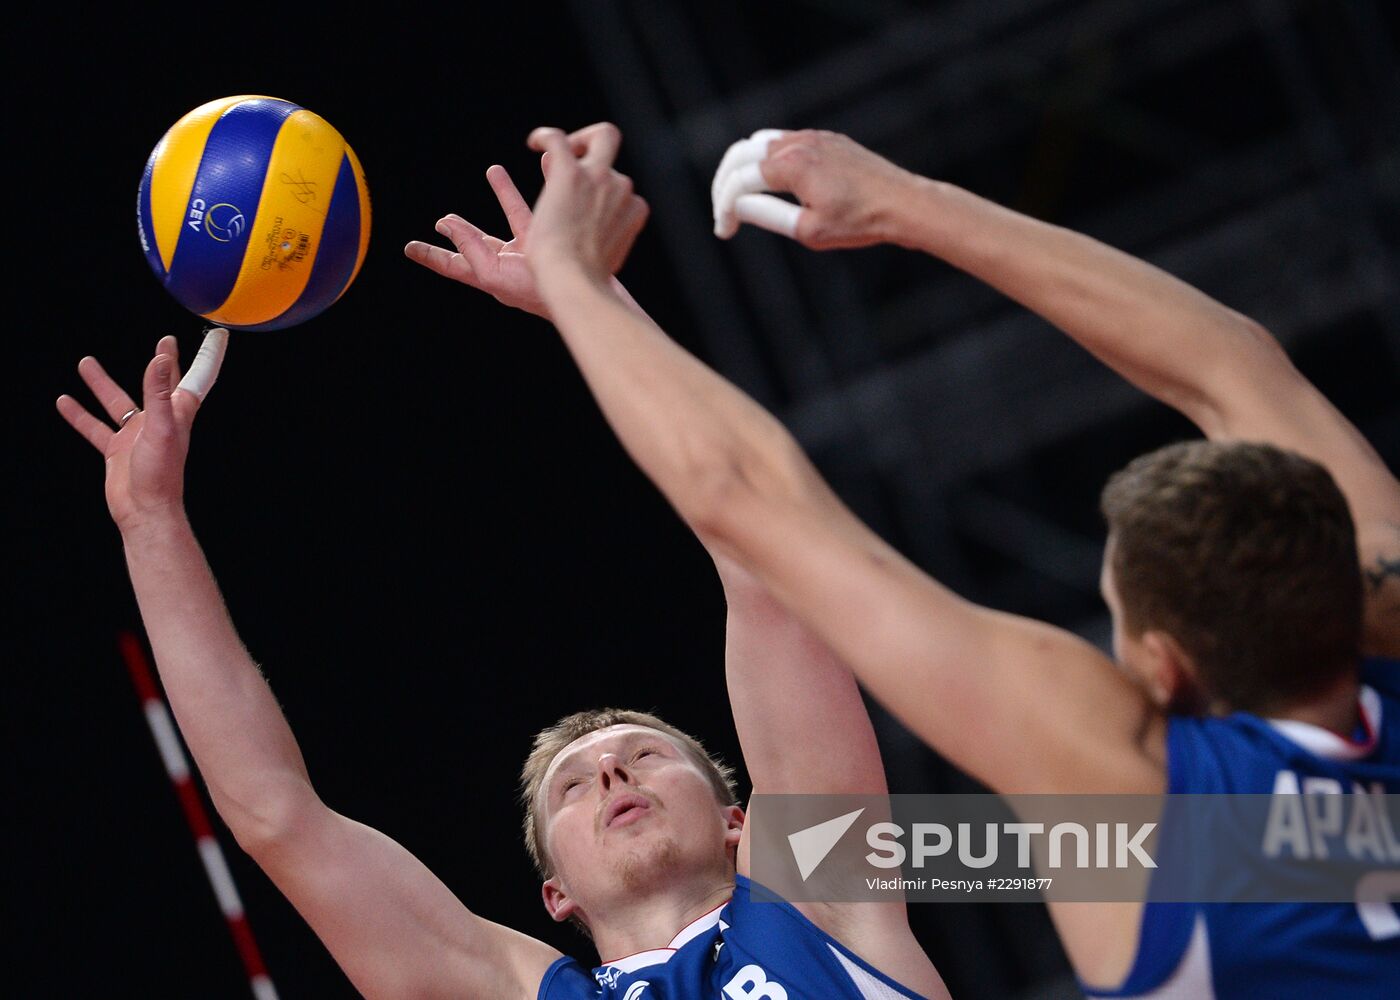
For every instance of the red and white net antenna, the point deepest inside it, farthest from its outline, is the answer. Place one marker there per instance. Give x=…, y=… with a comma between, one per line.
x=172, y=752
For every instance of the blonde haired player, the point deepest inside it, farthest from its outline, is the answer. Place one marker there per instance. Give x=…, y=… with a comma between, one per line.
x=635, y=837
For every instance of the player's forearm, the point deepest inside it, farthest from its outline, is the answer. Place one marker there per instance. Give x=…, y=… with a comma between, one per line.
x=692, y=432
x=717, y=456
x=802, y=723
x=1166, y=337
x=226, y=712
x=622, y=293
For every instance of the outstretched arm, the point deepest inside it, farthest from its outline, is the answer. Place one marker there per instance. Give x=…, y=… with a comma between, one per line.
x=785, y=684
x=963, y=677
x=1221, y=369
x=393, y=927
x=804, y=729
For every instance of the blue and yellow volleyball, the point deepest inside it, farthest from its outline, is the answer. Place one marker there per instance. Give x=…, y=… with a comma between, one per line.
x=253, y=212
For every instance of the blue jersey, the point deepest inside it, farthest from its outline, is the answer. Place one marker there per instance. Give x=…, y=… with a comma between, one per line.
x=1312, y=950
x=744, y=950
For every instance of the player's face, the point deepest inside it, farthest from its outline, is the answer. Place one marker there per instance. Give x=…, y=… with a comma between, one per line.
x=625, y=806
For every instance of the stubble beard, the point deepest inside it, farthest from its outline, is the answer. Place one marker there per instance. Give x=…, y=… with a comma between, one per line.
x=650, y=864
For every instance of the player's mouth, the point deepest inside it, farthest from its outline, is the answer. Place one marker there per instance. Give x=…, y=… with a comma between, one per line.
x=625, y=810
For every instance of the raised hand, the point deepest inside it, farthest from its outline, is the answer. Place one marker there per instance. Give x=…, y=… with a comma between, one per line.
x=587, y=214
x=847, y=194
x=495, y=266
x=145, y=452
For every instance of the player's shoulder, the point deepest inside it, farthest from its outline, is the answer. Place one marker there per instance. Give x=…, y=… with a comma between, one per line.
x=567, y=979
x=1213, y=753
x=767, y=940
x=1243, y=752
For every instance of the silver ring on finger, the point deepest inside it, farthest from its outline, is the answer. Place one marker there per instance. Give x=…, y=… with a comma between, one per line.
x=128, y=415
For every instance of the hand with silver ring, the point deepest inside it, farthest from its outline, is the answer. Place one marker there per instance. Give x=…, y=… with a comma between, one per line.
x=145, y=453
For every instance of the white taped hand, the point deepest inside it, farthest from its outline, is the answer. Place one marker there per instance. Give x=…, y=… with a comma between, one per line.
x=204, y=370
x=735, y=192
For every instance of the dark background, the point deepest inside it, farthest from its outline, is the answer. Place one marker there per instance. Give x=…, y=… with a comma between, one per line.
x=423, y=528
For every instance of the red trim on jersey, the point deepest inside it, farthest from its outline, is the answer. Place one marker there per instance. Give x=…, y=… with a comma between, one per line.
x=1367, y=742
x=704, y=916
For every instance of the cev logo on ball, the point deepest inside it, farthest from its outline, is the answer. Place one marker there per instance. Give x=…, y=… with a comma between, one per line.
x=222, y=222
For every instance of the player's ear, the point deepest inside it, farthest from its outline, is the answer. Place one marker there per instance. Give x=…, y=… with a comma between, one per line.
x=733, y=825
x=557, y=902
x=1173, y=679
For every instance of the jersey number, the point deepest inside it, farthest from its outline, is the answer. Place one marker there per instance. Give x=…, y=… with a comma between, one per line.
x=750, y=983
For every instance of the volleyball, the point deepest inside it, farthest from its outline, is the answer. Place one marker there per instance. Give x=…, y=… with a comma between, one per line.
x=253, y=213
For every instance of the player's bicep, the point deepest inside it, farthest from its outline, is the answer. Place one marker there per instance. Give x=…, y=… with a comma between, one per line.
x=1274, y=403
x=394, y=927
x=1020, y=705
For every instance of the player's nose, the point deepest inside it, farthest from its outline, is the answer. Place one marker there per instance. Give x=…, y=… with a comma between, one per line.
x=611, y=770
